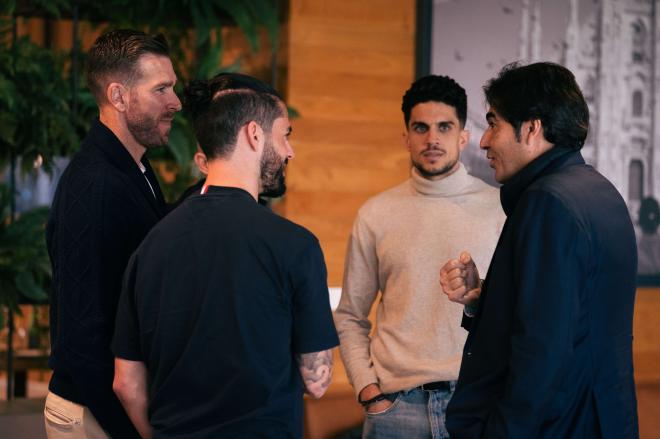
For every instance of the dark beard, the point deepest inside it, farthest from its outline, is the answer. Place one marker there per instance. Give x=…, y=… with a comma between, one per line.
x=272, y=172
x=145, y=129
x=426, y=174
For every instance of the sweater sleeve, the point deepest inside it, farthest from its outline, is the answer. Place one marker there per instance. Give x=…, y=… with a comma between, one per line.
x=359, y=291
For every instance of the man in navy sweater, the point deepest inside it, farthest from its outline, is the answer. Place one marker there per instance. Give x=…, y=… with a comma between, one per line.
x=549, y=353
x=107, y=200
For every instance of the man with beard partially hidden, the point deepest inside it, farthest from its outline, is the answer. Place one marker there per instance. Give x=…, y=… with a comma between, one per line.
x=106, y=201
x=405, y=373
x=234, y=81
x=272, y=172
x=224, y=318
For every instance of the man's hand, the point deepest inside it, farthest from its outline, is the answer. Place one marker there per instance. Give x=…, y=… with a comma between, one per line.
x=370, y=392
x=459, y=279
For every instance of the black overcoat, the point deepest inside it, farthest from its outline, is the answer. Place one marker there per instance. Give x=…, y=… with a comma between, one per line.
x=549, y=354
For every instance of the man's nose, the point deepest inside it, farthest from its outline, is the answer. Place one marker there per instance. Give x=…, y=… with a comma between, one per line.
x=485, y=140
x=175, y=104
x=432, y=137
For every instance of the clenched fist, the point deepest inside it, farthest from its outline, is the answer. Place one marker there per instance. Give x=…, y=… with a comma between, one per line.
x=459, y=279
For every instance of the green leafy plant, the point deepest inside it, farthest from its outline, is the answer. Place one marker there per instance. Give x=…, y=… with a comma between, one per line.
x=36, y=96
x=197, y=55
x=25, y=272
x=36, y=122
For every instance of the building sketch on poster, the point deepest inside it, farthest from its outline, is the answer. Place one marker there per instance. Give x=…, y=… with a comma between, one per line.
x=612, y=47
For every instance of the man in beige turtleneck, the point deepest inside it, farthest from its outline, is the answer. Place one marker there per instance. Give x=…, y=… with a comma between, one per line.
x=405, y=373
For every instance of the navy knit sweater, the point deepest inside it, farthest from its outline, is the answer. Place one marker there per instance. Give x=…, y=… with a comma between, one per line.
x=102, y=210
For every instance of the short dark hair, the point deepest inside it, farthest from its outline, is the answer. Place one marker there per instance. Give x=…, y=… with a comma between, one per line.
x=116, y=53
x=235, y=81
x=544, y=91
x=434, y=88
x=220, y=106
x=199, y=93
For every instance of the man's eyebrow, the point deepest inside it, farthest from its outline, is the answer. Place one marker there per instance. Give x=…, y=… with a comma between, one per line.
x=165, y=84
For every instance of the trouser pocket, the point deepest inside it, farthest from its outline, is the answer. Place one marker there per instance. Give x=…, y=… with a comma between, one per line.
x=60, y=419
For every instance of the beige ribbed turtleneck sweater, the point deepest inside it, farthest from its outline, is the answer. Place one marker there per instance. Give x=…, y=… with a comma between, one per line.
x=399, y=241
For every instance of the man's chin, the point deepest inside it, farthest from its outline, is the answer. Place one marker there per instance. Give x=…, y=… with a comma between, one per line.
x=163, y=140
x=159, y=144
x=434, y=172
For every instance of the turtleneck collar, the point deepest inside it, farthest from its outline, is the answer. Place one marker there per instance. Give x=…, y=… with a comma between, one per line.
x=451, y=185
x=512, y=189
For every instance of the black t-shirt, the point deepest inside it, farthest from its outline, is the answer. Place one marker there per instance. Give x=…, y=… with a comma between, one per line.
x=216, y=302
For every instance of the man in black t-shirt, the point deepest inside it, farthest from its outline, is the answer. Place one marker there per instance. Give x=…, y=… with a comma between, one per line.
x=224, y=319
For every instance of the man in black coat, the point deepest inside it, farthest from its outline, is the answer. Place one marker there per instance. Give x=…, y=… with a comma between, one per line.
x=107, y=200
x=549, y=354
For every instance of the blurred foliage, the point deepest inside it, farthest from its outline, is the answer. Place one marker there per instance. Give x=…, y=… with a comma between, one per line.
x=36, y=100
x=192, y=27
x=25, y=272
x=35, y=103
x=196, y=55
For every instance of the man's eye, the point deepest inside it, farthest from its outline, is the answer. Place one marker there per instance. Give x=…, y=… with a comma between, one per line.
x=419, y=129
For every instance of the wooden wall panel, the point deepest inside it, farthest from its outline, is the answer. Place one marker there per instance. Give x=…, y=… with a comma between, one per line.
x=646, y=342
x=349, y=64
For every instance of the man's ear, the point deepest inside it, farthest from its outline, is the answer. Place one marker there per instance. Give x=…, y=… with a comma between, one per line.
x=201, y=162
x=255, y=135
x=463, y=139
x=532, y=132
x=117, y=95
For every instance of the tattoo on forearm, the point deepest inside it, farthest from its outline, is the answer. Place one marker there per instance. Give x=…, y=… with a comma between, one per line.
x=316, y=371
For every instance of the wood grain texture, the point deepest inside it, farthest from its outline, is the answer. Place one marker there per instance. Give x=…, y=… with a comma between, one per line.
x=349, y=65
x=646, y=341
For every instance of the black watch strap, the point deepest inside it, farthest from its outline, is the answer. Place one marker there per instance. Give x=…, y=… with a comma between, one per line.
x=376, y=398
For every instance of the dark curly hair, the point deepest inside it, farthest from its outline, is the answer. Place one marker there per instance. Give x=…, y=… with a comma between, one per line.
x=437, y=89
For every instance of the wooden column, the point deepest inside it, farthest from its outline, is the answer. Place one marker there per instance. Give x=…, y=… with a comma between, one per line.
x=349, y=65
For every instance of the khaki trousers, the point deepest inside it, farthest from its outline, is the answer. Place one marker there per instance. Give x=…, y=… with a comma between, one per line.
x=67, y=420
